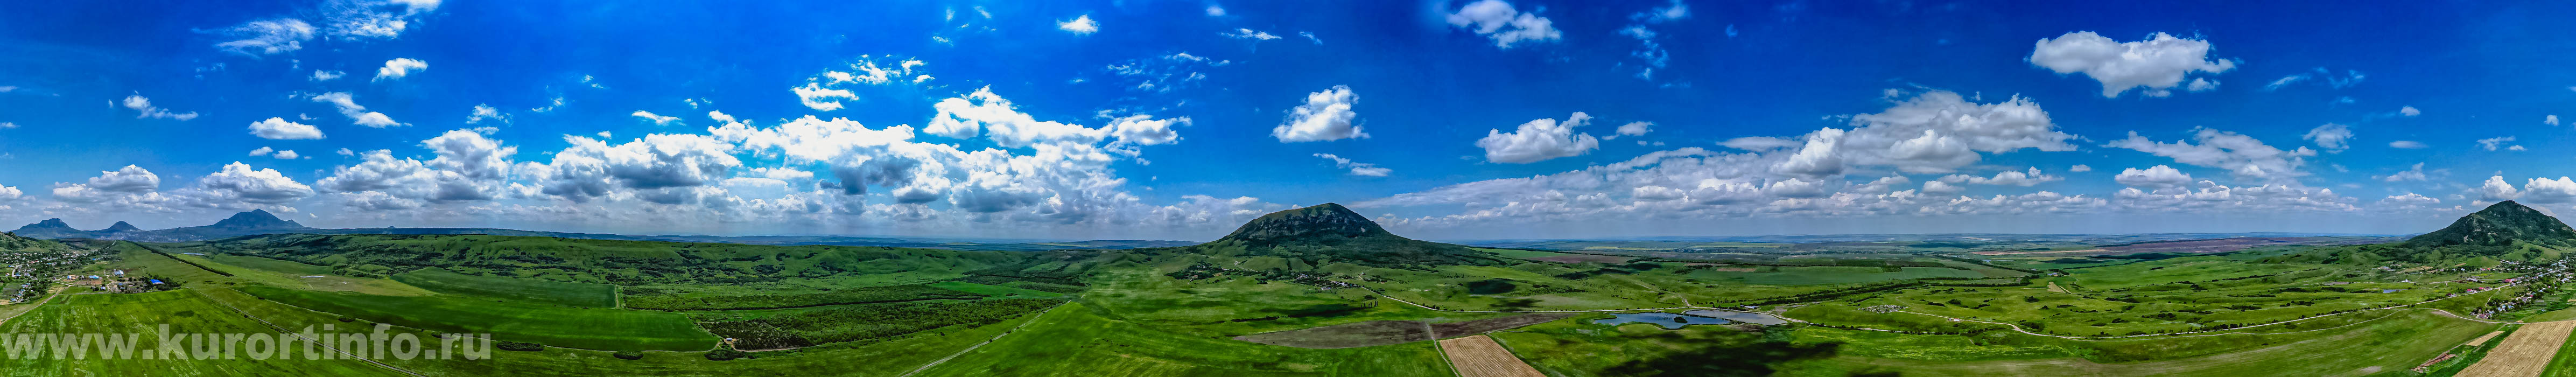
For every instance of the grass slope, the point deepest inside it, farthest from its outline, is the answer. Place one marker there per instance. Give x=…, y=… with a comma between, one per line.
x=143, y=314
x=584, y=295
x=1075, y=340
x=598, y=329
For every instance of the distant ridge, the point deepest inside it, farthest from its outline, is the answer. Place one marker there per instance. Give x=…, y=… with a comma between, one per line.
x=2503, y=232
x=257, y=222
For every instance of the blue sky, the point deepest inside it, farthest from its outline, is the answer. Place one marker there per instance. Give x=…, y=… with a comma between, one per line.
x=1179, y=119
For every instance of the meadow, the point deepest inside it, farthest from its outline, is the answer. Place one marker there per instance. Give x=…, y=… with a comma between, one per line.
x=580, y=295
x=597, y=329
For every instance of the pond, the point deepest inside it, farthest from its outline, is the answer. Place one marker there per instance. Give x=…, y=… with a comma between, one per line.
x=1670, y=321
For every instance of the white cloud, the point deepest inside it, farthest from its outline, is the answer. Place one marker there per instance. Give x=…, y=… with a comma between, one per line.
x=2006, y=178
x=1215, y=11
x=720, y=117
x=1143, y=129
x=484, y=112
x=2156, y=177
x=358, y=115
x=264, y=186
x=2552, y=119
x=262, y=151
x=1242, y=33
x=2407, y=144
x=1934, y=132
x=813, y=95
x=2409, y=111
x=399, y=67
x=1326, y=115
x=288, y=155
x=2549, y=191
x=1079, y=25
x=1636, y=128
x=322, y=75
x=2348, y=79
x=2496, y=142
x=8, y=125
x=2157, y=64
x=1539, y=140
x=144, y=107
x=266, y=37
x=2409, y=201
x=658, y=120
x=1357, y=168
x=2079, y=168
x=378, y=19
x=2241, y=155
x=1310, y=37
x=2496, y=189
x=2415, y=173
x=1506, y=26
x=2331, y=137
x=277, y=128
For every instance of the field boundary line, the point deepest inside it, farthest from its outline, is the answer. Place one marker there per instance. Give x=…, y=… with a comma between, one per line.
x=301, y=336
x=1014, y=330
x=40, y=304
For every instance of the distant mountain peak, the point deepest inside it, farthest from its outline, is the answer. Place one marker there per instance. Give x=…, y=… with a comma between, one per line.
x=1319, y=221
x=53, y=223
x=256, y=219
x=2499, y=225
x=121, y=227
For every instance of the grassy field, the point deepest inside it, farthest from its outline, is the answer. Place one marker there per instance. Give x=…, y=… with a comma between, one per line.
x=599, y=329
x=993, y=290
x=886, y=358
x=2386, y=345
x=143, y=314
x=582, y=295
x=271, y=265
x=1076, y=340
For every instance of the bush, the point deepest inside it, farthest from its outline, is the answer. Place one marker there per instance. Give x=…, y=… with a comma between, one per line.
x=726, y=354
x=629, y=355
x=519, y=346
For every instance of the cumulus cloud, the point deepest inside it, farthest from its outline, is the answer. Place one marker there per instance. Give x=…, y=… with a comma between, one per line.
x=2494, y=143
x=144, y=109
x=2496, y=189
x=467, y=167
x=1357, y=168
x=2552, y=119
x=2549, y=191
x=2007, y=178
x=2331, y=137
x=2415, y=173
x=358, y=115
x=1639, y=128
x=399, y=67
x=2241, y=155
x=814, y=96
x=657, y=120
x=2079, y=168
x=2156, y=177
x=1326, y=115
x=1506, y=26
x=2157, y=64
x=1539, y=140
x=263, y=186
x=1079, y=25
x=484, y=112
x=2407, y=144
x=374, y=19
x=1933, y=132
x=266, y=37
x=277, y=128
x=2409, y=111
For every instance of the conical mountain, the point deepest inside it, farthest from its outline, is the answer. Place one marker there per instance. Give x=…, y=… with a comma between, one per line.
x=2500, y=225
x=256, y=219
x=50, y=228
x=120, y=227
x=1330, y=233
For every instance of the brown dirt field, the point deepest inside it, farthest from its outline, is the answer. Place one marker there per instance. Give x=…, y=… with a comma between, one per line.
x=1479, y=356
x=1451, y=329
x=2483, y=339
x=1584, y=258
x=1349, y=335
x=2526, y=353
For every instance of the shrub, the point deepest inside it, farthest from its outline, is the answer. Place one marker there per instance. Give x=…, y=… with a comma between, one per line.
x=519, y=346
x=629, y=355
x=725, y=354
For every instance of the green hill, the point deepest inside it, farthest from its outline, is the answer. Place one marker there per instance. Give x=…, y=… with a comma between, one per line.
x=2505, y=231
x=1329, y=233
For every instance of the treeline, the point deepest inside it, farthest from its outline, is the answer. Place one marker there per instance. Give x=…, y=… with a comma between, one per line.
x=868, y=323
x=660, y=299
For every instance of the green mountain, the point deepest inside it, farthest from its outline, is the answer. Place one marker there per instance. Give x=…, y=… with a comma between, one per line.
x=2505, y=231
x=2500, y=225
x=1330, y=233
